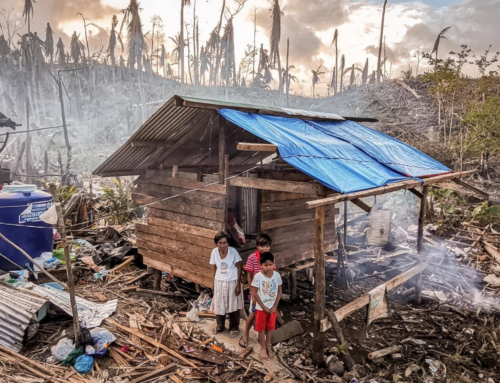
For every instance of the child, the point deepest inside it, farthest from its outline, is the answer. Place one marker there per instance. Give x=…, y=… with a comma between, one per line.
x=253, y=267
x=266, y=288
x=228, y=298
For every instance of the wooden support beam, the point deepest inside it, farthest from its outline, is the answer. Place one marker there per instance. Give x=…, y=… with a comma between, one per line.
x=319, y=296
x=385, y=189
x=416, y=192
x=275, y=185
x=362, y=301
x=251, y=147
x=474, y=189
x=359, y=203
x=157, y=283
x=421, y=220
x=222, y=147
x=420, y=242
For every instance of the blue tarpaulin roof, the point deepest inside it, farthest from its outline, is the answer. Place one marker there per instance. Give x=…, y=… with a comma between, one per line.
x=343, y=156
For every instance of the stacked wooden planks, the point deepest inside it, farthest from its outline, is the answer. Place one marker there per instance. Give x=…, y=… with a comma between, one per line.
x=178, y=237
x=290, y=224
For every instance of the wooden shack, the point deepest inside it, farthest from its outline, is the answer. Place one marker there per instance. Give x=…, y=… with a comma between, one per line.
x=196, y=168
x=184, y=155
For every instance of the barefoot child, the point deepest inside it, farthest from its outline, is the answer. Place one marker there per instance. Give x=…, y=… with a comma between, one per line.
x=252, y=268
x=266, y=288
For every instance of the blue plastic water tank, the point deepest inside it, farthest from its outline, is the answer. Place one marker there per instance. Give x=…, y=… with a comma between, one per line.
x=26, y=229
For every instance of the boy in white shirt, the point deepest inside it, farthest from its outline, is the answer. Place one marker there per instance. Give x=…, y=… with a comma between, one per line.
x=266, y=288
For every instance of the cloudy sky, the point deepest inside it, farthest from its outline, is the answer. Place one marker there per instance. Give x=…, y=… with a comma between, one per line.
x=410, y=26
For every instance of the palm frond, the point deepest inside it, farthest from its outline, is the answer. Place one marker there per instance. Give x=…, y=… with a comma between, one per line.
x=364, y=76
x=49, y=42
x=75, y=48
x=60, y=52
x=275, y=31
x=335, y=37
x=438, y=39
x=135, y=37
x=28, y=9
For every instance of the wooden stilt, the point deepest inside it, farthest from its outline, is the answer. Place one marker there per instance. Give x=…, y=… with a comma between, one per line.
x=421, y=220
x=158, y=275
x=319, y=299
x=293, y=285
x=310, y=275
x=420, y=242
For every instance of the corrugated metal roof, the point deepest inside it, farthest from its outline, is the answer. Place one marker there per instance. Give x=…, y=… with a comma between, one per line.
x=179, y=117
x=17, y=309
x=259, y=109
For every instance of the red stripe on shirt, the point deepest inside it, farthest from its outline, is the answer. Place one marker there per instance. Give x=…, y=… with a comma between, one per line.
x=253, y=263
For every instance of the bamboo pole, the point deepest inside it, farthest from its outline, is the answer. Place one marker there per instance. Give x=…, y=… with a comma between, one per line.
x=32, y=260
x=64, y=239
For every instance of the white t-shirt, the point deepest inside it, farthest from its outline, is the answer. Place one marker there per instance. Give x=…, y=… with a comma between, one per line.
x=267, y=288
x=226, y=268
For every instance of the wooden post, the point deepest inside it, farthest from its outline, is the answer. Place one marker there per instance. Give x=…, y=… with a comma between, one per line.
x=158, y=275
x=222, y=146
x=175, y=171
x=69, y=270
x=421, y=219
x=420, y=242
x=293, y=285
x=345, y=223
x=319, y=299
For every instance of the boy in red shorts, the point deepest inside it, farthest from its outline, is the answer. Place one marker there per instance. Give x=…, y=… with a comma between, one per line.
x=266, y=288
x=253, y=267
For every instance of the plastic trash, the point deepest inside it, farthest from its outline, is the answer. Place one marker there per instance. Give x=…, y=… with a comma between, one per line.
x=50, y=216
x=192, y=315
x=39, y=261
x=72, y=357
x=82, y=243
x=102, y=338
x=51, y=263
x=125, y=349
x=62, y=349
x=437, y=370
x=89, y=350
x=217, y=348
x=84, y=364
x=54, y=285
x=101, y=274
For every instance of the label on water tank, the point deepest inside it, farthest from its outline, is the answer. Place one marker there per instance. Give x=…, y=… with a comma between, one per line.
x=33, y=212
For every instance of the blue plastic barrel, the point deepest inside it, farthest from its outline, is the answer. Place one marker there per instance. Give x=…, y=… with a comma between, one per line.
x=20, y=210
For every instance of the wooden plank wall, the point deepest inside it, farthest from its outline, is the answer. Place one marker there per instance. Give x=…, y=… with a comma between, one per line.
x=178, y=237
x=291, y=226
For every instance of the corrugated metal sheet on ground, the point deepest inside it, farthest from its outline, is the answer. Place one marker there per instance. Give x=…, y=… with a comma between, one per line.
x=344, y=156
x=17, y=309
x=90, y=314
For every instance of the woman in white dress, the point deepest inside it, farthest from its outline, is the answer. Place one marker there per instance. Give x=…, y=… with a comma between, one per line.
x=228, y=298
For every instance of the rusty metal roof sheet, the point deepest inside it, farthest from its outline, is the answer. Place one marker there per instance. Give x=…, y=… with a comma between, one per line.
x=17, y=309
